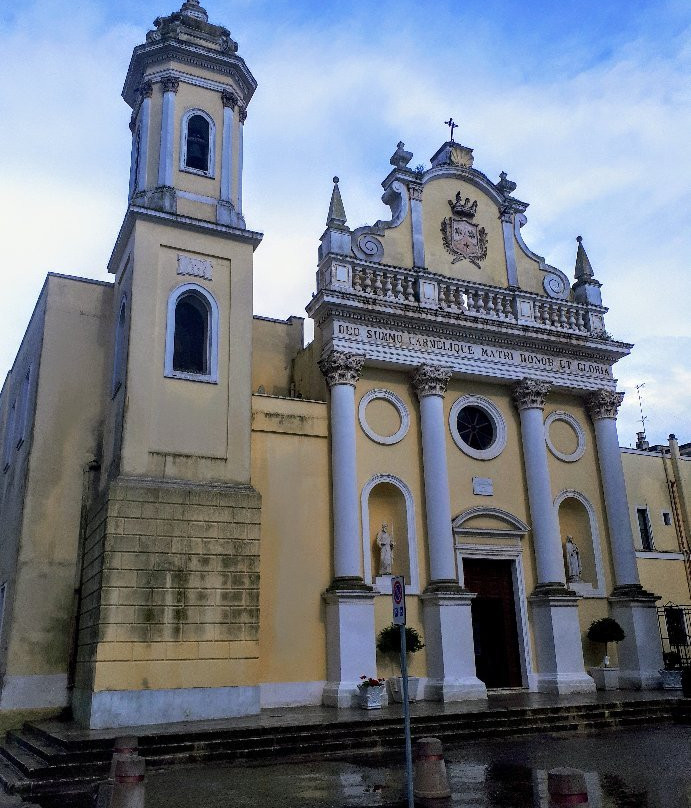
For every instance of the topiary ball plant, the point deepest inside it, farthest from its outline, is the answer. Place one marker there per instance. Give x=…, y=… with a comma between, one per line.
x=389, y=640
x=606, y=630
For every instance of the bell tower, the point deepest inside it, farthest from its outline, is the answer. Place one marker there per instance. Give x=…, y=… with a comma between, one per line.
x=189, y=92
x=171, y=544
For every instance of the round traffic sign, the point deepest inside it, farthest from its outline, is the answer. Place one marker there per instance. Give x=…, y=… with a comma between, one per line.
x=397, y=593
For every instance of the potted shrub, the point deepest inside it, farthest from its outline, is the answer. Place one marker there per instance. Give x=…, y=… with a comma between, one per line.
x=372, y=692
x=389, y=644
x=605, y=630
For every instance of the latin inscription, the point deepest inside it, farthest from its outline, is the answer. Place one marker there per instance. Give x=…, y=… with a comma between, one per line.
x=403, y=339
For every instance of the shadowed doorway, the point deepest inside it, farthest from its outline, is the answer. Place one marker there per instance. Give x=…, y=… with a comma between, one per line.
x=495, y=634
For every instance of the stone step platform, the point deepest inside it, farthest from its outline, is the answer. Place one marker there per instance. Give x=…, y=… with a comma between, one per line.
x=61, y=764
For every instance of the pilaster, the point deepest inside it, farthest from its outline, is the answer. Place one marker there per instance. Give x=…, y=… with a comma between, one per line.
x=225, y=211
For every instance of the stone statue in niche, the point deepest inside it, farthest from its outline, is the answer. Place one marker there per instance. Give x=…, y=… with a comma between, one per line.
x=573, y=561
x=385, y=542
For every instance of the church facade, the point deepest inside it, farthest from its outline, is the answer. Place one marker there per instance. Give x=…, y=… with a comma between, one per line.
x=201, y=516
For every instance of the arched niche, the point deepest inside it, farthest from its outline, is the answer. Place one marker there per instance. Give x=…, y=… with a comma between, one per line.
x=577, y=518
x=386, y=499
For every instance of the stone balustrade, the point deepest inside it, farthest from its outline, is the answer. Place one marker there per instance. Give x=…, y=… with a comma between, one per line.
x=461, y=298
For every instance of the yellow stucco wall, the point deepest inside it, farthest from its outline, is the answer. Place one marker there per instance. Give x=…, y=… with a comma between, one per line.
x=290, y=467
x=66, y=432
x=275, y=344
x=176, y=427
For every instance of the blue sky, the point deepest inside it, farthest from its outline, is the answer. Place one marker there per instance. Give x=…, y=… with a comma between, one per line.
x=586, y=105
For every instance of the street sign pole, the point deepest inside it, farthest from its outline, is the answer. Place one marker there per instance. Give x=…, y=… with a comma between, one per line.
x=399, y=619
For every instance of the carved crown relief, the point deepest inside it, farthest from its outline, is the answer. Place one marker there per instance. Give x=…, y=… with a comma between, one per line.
x=463, y=238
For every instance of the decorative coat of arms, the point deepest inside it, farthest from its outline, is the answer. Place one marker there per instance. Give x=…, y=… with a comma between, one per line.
x=461, y=237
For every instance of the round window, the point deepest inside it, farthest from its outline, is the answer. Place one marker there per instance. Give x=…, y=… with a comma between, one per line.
x=477, y=427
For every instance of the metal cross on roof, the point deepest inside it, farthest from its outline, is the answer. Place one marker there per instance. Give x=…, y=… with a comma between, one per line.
x=450, y=123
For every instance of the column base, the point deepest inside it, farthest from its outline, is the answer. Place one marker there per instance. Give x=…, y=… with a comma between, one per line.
x=350, y=640
x=640, y=652
x=558, y=645
x=450, y=647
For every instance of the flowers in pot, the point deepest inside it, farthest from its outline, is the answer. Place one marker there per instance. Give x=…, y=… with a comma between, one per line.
x=371, y=692
x=389, y=643
x=605, y=630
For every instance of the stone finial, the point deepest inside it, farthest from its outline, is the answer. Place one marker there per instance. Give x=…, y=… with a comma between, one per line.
x=505, y=186
x=400, y=158
x=604, y=404
x=170, y=84
x=229, y=99
x=584, y=270
x=431, y=380
x=340, y=367
x=531, y=394
x=337, y=215
x=192, y=8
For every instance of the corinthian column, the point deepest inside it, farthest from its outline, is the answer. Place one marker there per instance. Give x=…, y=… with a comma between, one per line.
x=430, y=383
x=556, y=627
x=350, y=635
x=342, y=371
x=529, y=396
x=446, y=605
x=640, y=655
x=603, y=407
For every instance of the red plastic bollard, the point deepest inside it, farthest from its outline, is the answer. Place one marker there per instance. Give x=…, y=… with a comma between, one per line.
x=124, y=747
x=431, y=780
x=567, y=787
x=128, y=786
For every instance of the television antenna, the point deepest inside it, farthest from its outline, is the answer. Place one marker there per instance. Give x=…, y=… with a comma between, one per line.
x=643, y=418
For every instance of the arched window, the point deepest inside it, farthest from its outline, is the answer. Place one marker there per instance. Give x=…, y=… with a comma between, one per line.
x=197, y=148
x=190, y=349
x=192, y=334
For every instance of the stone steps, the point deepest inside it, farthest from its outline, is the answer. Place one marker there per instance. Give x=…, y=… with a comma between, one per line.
x=39, y=762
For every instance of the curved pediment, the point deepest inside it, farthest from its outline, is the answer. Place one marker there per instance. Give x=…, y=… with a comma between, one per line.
x=489, y=522
x=453, y=221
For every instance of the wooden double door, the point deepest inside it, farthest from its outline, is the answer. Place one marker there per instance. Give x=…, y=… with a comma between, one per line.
x=495, y=633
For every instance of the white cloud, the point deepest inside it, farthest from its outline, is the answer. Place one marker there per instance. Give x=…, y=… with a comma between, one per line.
x=603, y=152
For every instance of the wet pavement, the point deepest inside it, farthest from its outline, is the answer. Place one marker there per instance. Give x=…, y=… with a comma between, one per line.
x=648, y=768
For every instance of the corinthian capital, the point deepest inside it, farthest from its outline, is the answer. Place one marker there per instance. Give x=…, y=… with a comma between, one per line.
x=243, y=115
x=340, y=367
x=146, y=89
x=431, y=380
x=604, y=404
x=531, y=393
x=170, y=84
x=229, y=99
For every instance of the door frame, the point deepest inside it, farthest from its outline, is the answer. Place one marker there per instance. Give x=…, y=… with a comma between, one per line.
x=514, y=554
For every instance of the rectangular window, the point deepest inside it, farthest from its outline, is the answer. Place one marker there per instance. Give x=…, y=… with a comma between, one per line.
x=24, y=409
x=645, y=530
x=666, y=518
x=9, y=437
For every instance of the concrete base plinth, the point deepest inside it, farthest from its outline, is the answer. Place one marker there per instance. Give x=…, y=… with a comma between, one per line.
x=558, y=645
x=350, y=644
x=450, y=648
x=640, y=653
